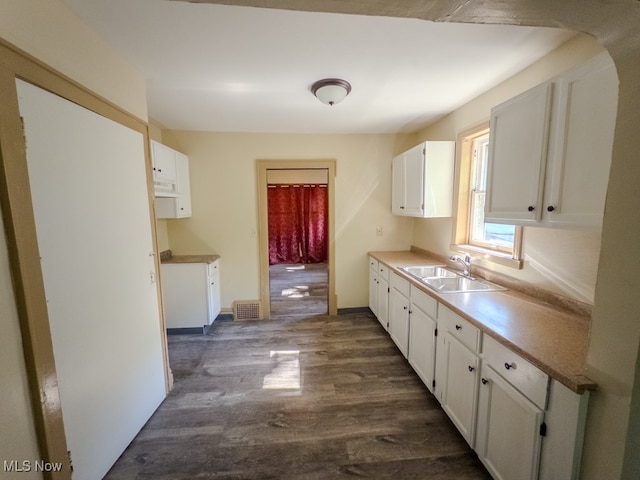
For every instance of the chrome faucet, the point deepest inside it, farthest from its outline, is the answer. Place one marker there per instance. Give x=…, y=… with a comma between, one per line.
x=466, y=263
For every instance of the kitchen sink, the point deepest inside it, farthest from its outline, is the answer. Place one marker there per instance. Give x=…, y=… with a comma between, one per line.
x=421, y=272
x=444, y=280
x=460, y=284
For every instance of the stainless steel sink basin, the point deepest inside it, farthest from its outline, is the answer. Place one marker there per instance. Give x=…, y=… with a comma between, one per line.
x=460, y=284
x=423, y=271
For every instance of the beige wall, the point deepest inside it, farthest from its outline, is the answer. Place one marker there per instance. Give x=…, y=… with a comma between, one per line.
x=570, y=267
x=50, y=32
x=223, y=193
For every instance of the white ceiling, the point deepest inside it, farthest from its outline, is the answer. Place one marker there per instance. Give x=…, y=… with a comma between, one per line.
x=225, y=68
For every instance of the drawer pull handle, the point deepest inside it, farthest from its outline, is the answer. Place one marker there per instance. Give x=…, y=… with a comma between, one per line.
x=458, y=327
x=471, y=369
x=509, y=366
x=484, y=381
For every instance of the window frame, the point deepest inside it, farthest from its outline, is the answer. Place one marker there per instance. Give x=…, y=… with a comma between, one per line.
x=462, y=225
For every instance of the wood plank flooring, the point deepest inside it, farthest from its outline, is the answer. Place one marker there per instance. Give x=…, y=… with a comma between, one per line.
x=321, y=397
x=297, y=289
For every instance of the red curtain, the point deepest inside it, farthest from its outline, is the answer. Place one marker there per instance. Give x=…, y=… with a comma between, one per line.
x=298, y=223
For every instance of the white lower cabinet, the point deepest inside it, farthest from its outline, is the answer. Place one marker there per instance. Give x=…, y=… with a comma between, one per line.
x=399, y=312
x=379, y=291
x=422, y=335
x=522, y=424
x=508, y=432
x=191, y=294
x=457, y=384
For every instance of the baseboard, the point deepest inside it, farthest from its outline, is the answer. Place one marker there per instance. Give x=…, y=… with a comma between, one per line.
x=185, y=331
x=353, y=310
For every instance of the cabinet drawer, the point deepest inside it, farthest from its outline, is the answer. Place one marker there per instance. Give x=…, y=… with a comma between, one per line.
x=212, y=269
x=524, y=376
x=424, y=302
x=383, y=271
x=460, y=328
x=400, y=284
x=373, y=264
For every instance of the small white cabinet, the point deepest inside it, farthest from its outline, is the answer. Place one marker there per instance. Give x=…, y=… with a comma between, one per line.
x=173, y=193
x=164, y=169
x=191, y=294
x=550, y=150
x=422, y=335
x=457, y=371
x=512, y=399
x=379, y=291
x=399, y=312
x=422, y=180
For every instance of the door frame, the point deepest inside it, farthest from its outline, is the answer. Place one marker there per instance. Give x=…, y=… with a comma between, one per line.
x=263, y=223
x=22, y=242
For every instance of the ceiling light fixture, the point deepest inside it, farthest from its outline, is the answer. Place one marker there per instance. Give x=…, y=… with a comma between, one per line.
x=331, y=90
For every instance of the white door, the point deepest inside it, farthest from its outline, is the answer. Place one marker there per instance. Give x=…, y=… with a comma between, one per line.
x=508, y=438
x=459, y=398
x=517, y=157
x=580, y=151
x=399, y=320
x=90, y=199
x=422, y=345
x=383, y=302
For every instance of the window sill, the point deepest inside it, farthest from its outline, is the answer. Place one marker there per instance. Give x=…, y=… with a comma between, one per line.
x=494, y=256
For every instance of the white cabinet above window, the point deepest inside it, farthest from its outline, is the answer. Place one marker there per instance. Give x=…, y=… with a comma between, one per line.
x=550, y=150
x=422, y=180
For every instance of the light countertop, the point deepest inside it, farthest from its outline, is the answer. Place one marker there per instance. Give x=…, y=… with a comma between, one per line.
x=553, y=339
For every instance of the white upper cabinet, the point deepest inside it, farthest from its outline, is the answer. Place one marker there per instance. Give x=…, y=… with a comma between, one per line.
x=165, y=178
x=550, y=150
x=171, y=181
x=422, y=180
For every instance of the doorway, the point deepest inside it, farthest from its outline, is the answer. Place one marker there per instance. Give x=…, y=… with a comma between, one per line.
x=297, y=217
x=296, y=237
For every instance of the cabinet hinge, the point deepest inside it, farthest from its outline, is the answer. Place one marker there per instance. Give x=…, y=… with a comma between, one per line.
x=435, y=332
x=388, y=290
x=433, y=384
x=543, y=429
x=70, y=461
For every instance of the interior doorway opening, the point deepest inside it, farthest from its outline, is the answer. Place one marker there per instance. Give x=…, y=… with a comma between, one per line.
x=297, y=217
x=296, y=237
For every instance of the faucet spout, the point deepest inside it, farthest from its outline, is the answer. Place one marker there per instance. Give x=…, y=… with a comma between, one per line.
x=466, y=263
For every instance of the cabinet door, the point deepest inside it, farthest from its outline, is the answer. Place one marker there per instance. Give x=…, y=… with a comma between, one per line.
x=164, y=163
x=517, y=157
x=397, y=186
x=399, y=320
x=422, y=345
x=183, y=202
x=508, y=439
x=459, y=386
x=373, y=291
x=581, y=144
x=213, y=294
x=383, y=302
x=414, y=181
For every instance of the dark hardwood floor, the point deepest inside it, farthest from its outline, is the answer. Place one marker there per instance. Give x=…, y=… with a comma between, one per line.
x=322, y=397
x=297, y=289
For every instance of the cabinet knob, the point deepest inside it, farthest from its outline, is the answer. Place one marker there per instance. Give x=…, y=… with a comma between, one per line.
x=550, y=208
x=401, y=208
x=404, y=307
x=531, y=208
x=484, y=381
x=509, y=366
x=471, y=369
x=458, y=327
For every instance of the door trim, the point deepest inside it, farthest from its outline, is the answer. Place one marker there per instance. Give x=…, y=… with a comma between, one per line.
x=263, y=234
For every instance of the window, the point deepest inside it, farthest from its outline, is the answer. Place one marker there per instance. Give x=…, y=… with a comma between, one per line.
x=495, y=241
